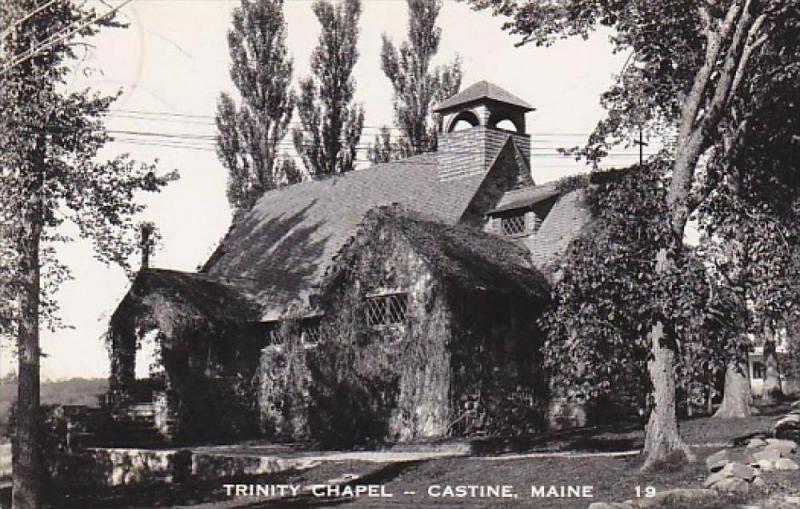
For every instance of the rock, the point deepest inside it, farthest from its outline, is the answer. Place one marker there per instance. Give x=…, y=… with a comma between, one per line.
x=768, y=454
x=784, y=449
x=741, y=471
x=759, y=483
x=786, y=464
x=756, y=442
x=788, y=426
x=718, y=460
x=783, y=443
x=713, y=479
x=765, y=465
x=680, y=497
x=118, y=476
x=790, y=419
x=735, y=470
x=733, y=486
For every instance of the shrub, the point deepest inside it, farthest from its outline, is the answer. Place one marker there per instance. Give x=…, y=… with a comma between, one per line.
x=353, y=389
x=283, y=380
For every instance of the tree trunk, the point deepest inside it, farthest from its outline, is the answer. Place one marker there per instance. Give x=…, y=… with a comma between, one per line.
x=27, y=444
x=662, y=438
x=710, y=399
x=772, y=378
x=738, y=395
x=702, y=109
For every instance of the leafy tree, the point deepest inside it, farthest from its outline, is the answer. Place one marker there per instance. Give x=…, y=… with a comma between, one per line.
x=331, y=123
x=751, y=189
x=690, y=61
x=49, y=175
x=416, y=86
x=596, y=346
x=249, y=135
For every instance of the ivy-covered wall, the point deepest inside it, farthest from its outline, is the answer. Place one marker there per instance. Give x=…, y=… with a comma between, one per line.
x=397, y=375
x=498, y=386
x=464, y=362
x=204, y=389
x=283, y=380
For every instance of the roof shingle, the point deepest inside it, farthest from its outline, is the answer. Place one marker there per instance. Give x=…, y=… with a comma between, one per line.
x=482, y=90
x=280, y=250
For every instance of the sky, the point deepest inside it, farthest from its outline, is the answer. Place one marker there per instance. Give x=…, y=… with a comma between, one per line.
x=171, y=64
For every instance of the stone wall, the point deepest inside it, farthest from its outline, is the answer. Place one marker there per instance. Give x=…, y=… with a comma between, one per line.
x=118, y=467
x=414, y=352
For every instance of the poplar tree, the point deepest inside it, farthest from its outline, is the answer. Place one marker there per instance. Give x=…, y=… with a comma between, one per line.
x=49, y=176
x=417, y=87
x=248, y=135
x=331, y=122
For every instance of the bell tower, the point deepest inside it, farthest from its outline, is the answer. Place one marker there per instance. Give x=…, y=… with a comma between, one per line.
x=477, y=122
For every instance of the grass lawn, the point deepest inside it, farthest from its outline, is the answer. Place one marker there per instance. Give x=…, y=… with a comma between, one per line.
x=611, y=478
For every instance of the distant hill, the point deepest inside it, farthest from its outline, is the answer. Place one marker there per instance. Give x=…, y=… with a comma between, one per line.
x=75, y=391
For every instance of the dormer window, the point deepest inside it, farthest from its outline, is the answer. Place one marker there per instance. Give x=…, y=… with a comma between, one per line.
x=513, y=226
x=516, y=223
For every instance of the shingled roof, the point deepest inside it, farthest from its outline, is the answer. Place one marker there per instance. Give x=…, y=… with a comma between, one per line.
x=482, y=90
x=527, y=196
x=461, y=256
x=280, y=250
x=569, y=217
x=169, y=299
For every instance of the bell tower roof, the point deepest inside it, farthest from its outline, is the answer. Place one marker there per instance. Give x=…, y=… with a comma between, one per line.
x=481, y=91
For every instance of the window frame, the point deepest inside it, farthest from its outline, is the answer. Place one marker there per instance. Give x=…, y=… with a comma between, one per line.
x=518, y=225
x=530, y=223
x=384, y=301
x=759, y=368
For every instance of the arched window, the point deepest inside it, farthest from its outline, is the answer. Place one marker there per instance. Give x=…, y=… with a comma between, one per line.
x=464, y=120
x=506, y=125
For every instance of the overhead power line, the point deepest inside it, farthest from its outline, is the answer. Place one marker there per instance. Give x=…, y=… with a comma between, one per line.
x=190, y=145
x=26, y=17
x=166, y=116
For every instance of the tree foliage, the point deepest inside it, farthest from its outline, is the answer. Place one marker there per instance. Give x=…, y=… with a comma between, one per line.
x=331, y=122
x=248, y=136
x=608, y=296
x=50, y=176
x=689, y=62
x=417, y=87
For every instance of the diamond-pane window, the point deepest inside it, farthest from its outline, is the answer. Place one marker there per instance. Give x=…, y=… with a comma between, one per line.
x=513, y=225
x=311, y=334
x=387, y=309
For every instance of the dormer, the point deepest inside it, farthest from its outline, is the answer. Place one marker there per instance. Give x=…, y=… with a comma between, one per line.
x=477, y=122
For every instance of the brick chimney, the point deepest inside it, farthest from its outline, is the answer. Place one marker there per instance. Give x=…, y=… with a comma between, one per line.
x=464, y=152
